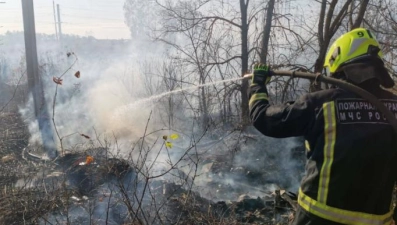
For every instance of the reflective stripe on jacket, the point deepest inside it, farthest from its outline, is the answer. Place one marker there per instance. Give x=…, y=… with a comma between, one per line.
x=351, y=151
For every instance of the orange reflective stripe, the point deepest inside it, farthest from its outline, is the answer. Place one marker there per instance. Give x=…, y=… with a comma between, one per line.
x=340, y=215
x=329, y=139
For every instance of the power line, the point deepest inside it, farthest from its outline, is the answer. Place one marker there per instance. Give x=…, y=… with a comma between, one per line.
x=88, y=9
x=99, y=26
x=12, y=9
x=20, y=22
x=12, y=26
x=91, y=17
x=90, y=24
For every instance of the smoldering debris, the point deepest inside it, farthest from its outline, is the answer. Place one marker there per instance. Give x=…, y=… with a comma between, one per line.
x=247, y=162
x=102, y=189
x=109, y=190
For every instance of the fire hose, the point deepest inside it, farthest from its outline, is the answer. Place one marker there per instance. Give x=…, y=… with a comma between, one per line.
x=344, y=85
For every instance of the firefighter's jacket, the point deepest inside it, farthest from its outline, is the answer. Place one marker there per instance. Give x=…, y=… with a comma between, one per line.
x=351, y=151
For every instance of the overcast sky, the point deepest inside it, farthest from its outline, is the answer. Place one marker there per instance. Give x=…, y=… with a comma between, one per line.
x=103, y=19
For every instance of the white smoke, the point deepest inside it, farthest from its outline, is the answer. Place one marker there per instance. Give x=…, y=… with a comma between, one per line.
x=111, y=78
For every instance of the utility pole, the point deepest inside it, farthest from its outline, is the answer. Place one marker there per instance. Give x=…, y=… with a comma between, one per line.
x=59, y=23
x=34, y=82
x=55, y=20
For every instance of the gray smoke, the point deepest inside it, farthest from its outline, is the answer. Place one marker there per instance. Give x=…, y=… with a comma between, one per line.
x=112, y=76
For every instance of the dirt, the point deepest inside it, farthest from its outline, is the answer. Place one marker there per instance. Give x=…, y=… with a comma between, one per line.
x=89, y=183
x=13, y=139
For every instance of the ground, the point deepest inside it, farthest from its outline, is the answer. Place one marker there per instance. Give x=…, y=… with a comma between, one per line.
x=75, y=188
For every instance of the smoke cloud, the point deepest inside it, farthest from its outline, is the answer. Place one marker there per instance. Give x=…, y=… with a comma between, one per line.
x=112, y=77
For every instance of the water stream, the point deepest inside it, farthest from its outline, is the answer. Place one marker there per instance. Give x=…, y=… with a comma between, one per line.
x=141, y=102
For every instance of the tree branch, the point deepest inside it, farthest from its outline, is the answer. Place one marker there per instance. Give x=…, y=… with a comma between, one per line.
x=321, y=23
x=359, y=19
x=339, y=18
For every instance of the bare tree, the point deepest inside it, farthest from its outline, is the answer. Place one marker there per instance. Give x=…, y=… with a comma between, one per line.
x=380, y=18
x=203, y=35
x=331, y=18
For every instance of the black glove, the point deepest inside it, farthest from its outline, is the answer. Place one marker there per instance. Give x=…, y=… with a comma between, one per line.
x=261, y=74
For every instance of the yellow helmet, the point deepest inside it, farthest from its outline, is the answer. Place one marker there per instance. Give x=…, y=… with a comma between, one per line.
x=358, y=54
x=350, y=47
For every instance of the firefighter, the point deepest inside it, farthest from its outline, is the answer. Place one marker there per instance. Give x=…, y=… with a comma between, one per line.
x=351, y=151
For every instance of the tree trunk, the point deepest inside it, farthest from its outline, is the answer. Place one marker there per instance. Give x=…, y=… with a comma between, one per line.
x=244, y=62
x=319, y=65
x=203, y=102
x=361, y=12
x=266, y=31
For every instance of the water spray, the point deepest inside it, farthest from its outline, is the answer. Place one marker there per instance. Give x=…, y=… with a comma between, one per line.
x=141, y=102
x=293, y=74
x=342, y=84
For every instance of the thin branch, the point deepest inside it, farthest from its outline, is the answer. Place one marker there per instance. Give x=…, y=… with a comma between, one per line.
x=14, y=93
x=359, y=19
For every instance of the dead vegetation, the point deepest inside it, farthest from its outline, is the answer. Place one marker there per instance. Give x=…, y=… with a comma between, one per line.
x=38, y=192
